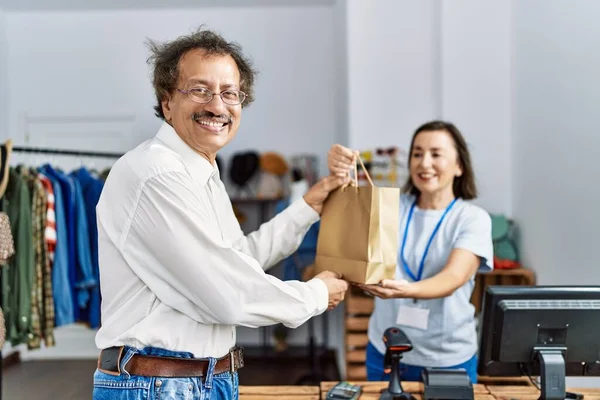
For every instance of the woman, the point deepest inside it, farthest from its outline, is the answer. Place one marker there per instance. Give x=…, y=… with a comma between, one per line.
x=444, y=241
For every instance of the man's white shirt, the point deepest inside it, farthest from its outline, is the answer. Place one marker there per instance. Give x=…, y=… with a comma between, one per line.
x=176, y=270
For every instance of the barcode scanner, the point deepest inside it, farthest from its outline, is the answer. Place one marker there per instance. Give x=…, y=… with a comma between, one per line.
x=396, y=343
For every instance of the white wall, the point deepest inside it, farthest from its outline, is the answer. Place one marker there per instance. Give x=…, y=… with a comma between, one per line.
x=79, y=79
x=410, y=62
x=3, y=78
x=392, y=70
x=557, y=104
x=475, y=90
x=555, y=140
x=341, y=44
x=77, y=5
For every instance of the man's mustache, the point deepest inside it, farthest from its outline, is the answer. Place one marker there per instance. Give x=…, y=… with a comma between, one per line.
x=223, y=118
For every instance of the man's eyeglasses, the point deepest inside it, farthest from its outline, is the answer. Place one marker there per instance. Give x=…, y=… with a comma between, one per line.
x=202, y=95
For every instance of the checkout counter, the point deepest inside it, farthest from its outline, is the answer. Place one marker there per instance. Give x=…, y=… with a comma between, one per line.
x=372, y=391
x=546, y=331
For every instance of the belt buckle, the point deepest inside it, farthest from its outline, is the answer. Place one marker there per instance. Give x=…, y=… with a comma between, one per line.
x=232, y=362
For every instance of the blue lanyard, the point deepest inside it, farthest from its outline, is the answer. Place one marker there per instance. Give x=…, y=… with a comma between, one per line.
x=437, y=227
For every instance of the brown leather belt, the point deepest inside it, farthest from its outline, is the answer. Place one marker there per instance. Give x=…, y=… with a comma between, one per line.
x=109, y=362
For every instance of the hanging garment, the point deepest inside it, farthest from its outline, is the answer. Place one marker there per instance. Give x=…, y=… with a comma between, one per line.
x=67, y=187
x=50, y=231
x=85, y=270
x=63, y=298
x=2, y=330
x=38, y=215
x=91, y=188
x=49, y=246
x=7, y=245
x=17, y=280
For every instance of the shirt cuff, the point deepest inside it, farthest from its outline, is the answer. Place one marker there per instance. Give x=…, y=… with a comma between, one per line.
x=321, y=294
x=301, y=213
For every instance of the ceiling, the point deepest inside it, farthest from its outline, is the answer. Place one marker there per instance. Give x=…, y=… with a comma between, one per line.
x=82, y=5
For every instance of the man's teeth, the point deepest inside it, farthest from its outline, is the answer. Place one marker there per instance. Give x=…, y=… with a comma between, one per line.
x=209, y=123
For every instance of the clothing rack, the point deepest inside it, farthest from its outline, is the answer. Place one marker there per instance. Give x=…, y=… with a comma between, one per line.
x=48, y=150
x=81, y=153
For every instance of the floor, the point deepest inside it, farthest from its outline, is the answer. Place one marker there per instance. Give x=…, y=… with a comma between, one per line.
x=48, y=380
x=71, y=380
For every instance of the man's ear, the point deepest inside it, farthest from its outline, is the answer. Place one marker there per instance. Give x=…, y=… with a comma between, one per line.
x=166, y=107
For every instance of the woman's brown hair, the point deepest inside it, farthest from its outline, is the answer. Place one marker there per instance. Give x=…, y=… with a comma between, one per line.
x=464, y=185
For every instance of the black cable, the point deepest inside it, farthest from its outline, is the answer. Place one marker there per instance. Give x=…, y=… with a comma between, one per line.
x=528, y=374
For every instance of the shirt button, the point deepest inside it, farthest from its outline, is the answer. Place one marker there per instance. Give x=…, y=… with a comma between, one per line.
x=159, y=383
x=24, y=319
x=190, y=386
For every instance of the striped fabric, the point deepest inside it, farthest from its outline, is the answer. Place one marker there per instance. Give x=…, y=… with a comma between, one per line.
x=50, y=231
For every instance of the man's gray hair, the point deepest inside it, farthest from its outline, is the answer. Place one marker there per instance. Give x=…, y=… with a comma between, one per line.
x=166, y=56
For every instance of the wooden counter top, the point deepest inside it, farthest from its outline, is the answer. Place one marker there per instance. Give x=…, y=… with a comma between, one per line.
x=372, y=391
x=279, y=392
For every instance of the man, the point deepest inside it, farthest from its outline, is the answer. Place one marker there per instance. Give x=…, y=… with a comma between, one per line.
x=177, y=273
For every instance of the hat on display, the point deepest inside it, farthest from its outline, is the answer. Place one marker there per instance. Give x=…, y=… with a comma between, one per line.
x=243, y=167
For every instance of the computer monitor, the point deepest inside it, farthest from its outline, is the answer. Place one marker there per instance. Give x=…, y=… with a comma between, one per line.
x=546, y=331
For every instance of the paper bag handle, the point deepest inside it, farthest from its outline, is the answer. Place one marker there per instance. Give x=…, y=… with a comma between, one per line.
x=364, y=169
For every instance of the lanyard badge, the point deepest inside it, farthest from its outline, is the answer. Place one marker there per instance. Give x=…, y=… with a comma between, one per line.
x=437, y=227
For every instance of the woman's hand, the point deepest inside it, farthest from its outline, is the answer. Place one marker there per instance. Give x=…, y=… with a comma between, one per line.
x=461, y=266
x=340, y=160
x=389, y=289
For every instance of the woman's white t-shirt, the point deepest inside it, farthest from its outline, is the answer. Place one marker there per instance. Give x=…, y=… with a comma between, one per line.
x=445, y=334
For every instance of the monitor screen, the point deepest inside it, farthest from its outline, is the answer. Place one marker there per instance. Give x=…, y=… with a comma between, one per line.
x=540, y=331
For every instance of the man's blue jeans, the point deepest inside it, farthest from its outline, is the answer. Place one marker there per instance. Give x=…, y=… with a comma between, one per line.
x=131, y=387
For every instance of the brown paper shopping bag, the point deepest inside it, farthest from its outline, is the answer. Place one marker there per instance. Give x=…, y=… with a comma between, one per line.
x=358, y=237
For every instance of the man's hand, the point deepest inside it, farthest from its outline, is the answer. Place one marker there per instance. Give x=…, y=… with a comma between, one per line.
x=389, y=289
x=317, y=194
x=336, y=287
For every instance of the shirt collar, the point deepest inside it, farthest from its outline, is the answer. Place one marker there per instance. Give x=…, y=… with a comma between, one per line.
x=199, y=167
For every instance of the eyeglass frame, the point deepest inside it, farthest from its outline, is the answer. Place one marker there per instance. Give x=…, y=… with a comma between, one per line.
x=212, y=95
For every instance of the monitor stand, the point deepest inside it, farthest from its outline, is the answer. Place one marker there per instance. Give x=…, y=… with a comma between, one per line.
x=552, y=372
